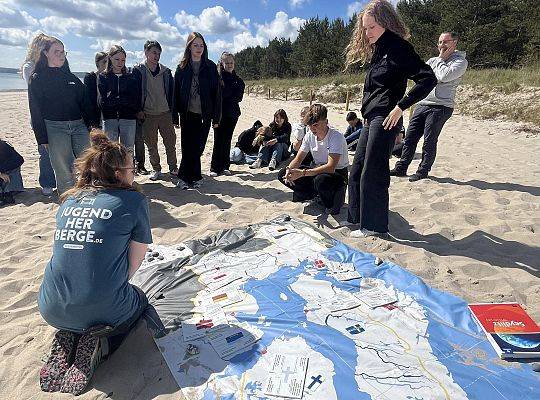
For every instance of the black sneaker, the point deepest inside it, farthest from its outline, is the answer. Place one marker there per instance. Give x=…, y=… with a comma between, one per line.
x=416, y=177
x=141, y=170
x=397, y=172
x=7, y=198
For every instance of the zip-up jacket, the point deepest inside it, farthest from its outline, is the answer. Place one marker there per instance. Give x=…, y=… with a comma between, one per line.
x=232, y=94
x=91, y=92
x=283, y=133
x=55, y=94
x=168, y=83
x=120, y=96
x=209, y=87
x=10, y=159
x=393, y=62
x=448, y=74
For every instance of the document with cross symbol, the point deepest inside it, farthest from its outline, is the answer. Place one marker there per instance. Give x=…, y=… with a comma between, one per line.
x=287, y=376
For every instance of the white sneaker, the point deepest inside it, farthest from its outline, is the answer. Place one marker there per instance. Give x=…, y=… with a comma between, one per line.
x=213, y=174
x=363, y=233
x=227, y=172
x=47, y=191
x=197, y=184
x=155, y=175
x=256, y=164
x=272, y=164
x=182, y=185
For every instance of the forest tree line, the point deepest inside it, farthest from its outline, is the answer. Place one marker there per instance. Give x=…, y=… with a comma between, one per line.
x=494, y=33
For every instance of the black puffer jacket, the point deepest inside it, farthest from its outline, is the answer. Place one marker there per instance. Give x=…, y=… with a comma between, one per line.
x=120, y=96
x=91, y=93
x=209, y=86
x=232, y=94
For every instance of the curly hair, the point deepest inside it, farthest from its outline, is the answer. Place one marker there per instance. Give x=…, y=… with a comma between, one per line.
x=359, y=48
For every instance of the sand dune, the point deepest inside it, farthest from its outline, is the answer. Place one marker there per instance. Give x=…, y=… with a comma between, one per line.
x=471, y=230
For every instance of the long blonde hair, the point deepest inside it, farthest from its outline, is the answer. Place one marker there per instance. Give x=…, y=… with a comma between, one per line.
x=34, y=48
x=359, y=48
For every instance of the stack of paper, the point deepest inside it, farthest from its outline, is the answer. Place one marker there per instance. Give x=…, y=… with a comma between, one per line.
x=342, y=271
x=217, y=279
x=229, y=341
x=222, y=297
x=287, y=376
x=345, y=302
x=376, y=296
x=197, y=327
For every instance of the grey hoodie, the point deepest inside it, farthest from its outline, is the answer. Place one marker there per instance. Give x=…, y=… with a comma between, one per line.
x=448, y=75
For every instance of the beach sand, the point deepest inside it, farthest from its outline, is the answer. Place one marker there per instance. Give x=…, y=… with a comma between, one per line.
x=471, y=230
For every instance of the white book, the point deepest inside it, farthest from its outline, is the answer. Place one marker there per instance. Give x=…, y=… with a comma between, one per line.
x=287, y=376
x=345, y=302
x=197, y=327
x=229, y=341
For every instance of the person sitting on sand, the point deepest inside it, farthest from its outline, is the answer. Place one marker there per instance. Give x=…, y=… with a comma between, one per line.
x=10, y=173
x=328, y=178
x=299, y=131
x=353, y=130
x=102, y=234
x=275, y=150
x=243, y=149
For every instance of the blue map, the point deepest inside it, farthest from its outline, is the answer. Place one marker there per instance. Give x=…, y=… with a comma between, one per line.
x=290, y=291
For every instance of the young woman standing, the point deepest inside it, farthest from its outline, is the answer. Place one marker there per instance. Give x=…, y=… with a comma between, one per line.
x=58, y=110
x=90, y=85
x=119, y=98
x=197, y=94
x=379, y=39
x=232, y=93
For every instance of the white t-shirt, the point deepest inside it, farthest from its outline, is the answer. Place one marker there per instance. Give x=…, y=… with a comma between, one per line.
x=333, y=143
x=298, y=132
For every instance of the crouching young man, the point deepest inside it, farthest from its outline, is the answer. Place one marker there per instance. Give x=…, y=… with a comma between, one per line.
x=327, y=178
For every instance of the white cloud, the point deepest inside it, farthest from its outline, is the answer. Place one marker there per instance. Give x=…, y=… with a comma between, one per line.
x=212, y=20
x=105, y=45
x=15, y=37
x=297, y=3
x=281, y=27
x=355, y=7
x=10, y=18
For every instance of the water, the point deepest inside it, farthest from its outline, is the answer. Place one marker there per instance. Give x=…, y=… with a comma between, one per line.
x=10, y=81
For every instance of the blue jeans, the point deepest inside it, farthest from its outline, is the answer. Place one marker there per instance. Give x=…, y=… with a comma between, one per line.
x=15, y=181
x=46, y=172
x=67, y=140
x=277, y=151
x=123, y=129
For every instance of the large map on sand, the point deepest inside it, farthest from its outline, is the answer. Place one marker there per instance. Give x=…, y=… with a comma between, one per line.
x=236, y=302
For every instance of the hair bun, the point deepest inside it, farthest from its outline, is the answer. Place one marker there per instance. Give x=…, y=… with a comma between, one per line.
x=99, y=138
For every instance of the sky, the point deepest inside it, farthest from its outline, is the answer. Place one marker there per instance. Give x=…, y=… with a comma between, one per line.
x=88, y=26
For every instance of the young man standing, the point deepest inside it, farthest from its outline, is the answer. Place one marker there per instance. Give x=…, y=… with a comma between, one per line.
x=157, y=104
x=432, y=112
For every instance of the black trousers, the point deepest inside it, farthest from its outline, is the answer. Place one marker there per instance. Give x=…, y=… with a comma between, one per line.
x=426, y=121
x=139, y=145
x=370, y=176
x=325, y=185
x=222, y=144
x=194, y=133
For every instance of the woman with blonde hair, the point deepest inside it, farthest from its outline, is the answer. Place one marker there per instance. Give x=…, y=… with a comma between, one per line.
x=119, y=94
x=197, y=96
x=379, y=40
x=102, y=234
x=46, y=178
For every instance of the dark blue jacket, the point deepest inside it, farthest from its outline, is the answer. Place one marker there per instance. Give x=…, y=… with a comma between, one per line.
x=120, y=96
x=9, y=158
x=210, y=90
x=232, y=94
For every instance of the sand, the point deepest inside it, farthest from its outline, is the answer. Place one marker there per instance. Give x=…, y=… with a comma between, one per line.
x=471, y=230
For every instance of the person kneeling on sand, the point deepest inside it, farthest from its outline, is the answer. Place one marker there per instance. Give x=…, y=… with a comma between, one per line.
x=102, y=234
x=328, y=178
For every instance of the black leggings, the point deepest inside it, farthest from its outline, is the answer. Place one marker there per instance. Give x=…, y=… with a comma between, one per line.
x=222, y=144
x=370, y=176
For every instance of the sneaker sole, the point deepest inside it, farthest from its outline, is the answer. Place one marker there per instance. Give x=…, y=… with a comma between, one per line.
x=52, y=373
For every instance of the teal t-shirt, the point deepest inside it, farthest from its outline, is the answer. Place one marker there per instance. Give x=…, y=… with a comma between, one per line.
x=86, y=281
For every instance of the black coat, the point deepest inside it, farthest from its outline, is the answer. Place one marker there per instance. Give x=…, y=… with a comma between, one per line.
x=9, y=158
x=232, y=94
x=245, y=140
x=55, y=94
x=120, y=97
x=209, y=86
x=91, y=93
x=283, y=133
x=394, y=61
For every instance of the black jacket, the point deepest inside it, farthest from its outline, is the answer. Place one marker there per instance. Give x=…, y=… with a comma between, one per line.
x=210, y=90
x=283, y=134
x=120, y=96
x=55, y=94
x=9, y=158
x=168, y=84
x=245, y=140
x=394, y=61
x=232, y=94
x=91, y=93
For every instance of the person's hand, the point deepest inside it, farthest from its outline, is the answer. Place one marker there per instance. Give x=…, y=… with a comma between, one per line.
x=293, y=174
x=216, y=126
x=271, y=142
x=445, y=53
x=46, y=145
x=392, y=119
x=140, y=115
x=5, y=177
